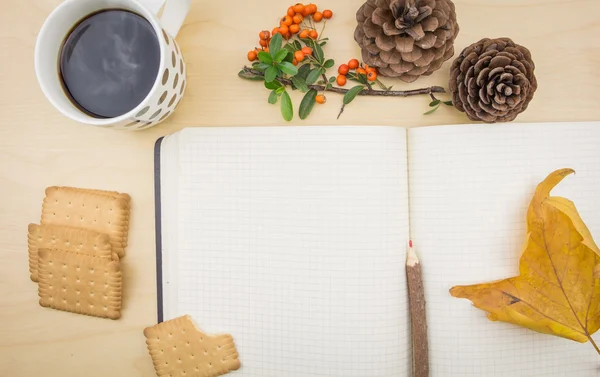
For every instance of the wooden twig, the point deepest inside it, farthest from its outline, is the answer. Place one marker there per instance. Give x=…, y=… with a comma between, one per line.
x=418, y=315
x=365, y=92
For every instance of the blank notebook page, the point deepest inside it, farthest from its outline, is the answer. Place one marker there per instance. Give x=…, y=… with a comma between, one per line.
x=470, y=187
x=293, y=240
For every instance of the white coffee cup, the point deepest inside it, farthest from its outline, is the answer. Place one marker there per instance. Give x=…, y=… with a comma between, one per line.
x=169, y=84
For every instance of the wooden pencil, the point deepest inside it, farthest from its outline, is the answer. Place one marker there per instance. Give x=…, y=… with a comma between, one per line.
x=418, y=315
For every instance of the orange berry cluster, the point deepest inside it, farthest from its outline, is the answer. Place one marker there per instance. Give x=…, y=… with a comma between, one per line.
x=300, y=55
x=292, y=23
x=353, y=64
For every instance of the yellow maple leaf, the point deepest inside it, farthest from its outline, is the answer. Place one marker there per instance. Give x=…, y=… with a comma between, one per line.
x=557, y=291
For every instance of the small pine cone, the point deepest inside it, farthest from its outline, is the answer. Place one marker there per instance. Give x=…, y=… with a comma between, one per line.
x=493, y=80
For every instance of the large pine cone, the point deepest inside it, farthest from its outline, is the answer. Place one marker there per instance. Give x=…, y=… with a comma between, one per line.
x=406, y=38
x=493, y=80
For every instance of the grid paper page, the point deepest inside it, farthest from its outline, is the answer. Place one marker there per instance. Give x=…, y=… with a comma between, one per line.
x=470, y=187
x=293, y=240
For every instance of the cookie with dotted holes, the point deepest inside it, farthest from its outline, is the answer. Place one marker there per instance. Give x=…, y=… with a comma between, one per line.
x=99, y=211
x=79, y=283
x=179, y=348
x=77, y=240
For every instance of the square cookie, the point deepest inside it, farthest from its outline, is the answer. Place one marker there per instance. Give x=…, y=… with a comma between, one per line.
x=79, y=283
x=78, y=240
x=102, y=212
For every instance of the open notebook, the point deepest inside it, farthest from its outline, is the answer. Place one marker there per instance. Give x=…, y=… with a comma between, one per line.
x=293, y=240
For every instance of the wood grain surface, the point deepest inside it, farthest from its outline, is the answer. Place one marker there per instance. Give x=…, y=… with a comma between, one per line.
x=39, y=147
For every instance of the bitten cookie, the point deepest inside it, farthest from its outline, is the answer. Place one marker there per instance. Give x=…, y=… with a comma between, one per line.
x=178, y=348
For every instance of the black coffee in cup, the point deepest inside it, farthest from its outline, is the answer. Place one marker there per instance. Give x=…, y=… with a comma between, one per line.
x=109, y=62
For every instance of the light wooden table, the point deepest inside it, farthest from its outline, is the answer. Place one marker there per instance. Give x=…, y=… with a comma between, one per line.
x=39, y=147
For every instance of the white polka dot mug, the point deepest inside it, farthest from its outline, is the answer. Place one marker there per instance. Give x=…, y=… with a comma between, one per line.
x=160, y=93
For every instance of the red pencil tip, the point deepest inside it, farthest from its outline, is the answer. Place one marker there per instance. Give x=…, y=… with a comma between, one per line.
x=410, y=243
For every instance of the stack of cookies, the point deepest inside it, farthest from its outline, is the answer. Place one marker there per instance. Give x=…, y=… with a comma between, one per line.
x=75, y=251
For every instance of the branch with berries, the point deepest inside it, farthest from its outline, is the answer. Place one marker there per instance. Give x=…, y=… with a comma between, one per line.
x=291, y=56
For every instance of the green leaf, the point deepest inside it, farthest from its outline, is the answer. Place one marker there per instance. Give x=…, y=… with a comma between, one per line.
x=262, y=66
x=362, y=79
x=289, y=57
x=303, y=71
x=434, y=103
x=281, y=89
x=300, y=84
x=289, y=68
x=323, y=44
x=431, y=111
x=307, y=104
x=318, y=52
x=273, y=97
x=332, y=79
x=329, y=63
x=329, y=86
x=270, y=74
x=313, y=76
x=290, y=47
x=448, y=103
x=264, y=57
x=249, y=76
x=352, y=93
x=286, y=107
x=275, y=44
x=272, y=85
x=297, y=45
x=281, y=54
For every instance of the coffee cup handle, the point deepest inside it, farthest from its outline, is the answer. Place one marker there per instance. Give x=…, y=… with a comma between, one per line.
x=173, y=15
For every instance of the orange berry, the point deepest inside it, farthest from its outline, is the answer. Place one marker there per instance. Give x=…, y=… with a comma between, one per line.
x=341, y=80
x=353, y=64
x=299, y=8
x=321, y=99
x=294, y=29
x=307, y=50
x=265, y=49
x=361, y=71
x=313, y=34
x=344, y=69
x=288, y=35
x=275, y=31
x=297, y=19
x=372, y=75
x=299, y=55
x=286, y=20
x=304, y=34
x=313, y=8
x=264, y=35
x=295, y=62
x=291, y=12
x=263, y=43
x=283, y=29
x=318, y=16
x=252, y=55
x=327, y=14
x=366, y=67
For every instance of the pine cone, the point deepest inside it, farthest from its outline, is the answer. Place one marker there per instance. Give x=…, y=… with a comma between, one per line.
x=406, y=38
x=493, y=80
